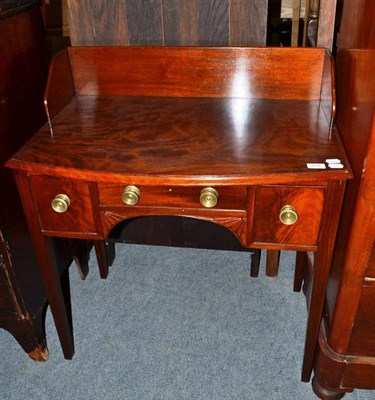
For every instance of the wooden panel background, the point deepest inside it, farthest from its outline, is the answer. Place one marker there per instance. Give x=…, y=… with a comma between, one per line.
x=168, y=22
x=193, y=72
x=326, y=25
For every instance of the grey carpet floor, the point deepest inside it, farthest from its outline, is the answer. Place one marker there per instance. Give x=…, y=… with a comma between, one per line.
x=172, y=323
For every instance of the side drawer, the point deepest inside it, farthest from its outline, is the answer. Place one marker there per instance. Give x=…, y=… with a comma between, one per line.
x=79, y=215
x=230, y=197
x=308, y=204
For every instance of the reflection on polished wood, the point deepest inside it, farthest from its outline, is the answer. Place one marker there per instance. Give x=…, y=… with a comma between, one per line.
x=246, y=138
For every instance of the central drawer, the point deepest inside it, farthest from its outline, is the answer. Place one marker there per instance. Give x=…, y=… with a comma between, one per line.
x=229, y=197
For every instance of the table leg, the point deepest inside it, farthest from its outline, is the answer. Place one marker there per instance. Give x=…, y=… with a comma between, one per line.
x=48, y=266
x=301, y=265
x=322, y=266
x=272, y=263
x=101, y=257
x=60, y=306
x=81, y=255
x=255, y=263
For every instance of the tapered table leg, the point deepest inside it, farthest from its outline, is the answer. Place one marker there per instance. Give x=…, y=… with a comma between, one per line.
x=255, y=263
x=272, y=263
x=101, y=256
x=48, y=268
x=322, y=266
x=301, y=265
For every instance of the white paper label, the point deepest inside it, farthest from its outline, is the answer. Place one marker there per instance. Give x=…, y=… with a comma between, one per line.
x=336, y=166
x=316, y=166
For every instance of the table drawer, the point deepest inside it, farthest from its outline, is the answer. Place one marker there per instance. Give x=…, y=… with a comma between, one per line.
x=79, y=214
x=229, y=197
x=307, y=208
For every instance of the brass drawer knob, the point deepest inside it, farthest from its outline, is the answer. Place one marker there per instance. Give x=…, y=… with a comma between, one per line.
x=209, y=197
x=131, y=195
x=60, y=203
x=288, y=215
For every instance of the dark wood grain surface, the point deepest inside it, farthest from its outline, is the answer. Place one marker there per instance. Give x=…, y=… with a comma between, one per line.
x=80, y=217
x=346, y=356
x=247, y=22
x=168, y=22
x=145, y=22
x=355, y=119
x=362, y=339
x=308, y=203
x=186, y=140
x=98, y=22
x=198, y=72
x=370, y=272
x=230, y=197
x=180, y=23
x=213, y=22
x=234, y=120
x=60, y=86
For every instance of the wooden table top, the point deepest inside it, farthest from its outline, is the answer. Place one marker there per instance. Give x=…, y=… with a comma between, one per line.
x=192, y=139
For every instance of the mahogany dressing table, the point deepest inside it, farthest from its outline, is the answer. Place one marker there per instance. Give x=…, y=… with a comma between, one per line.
x=241, y=137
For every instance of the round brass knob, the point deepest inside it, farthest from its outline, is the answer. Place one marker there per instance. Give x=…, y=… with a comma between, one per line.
x=131, y=195
x=288, y=215
x=209, y=197
x=60, y=203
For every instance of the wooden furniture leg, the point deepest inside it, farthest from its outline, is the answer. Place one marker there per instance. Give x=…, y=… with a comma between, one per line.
x=322, y=266
x=55, y=296
x=105, y=254
x=272, y=264
x=301, y=265
x=324, y=393
x=254, y=263
x=65, y=286
x=110, y=252
x=81, y=255
x=49, y=269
